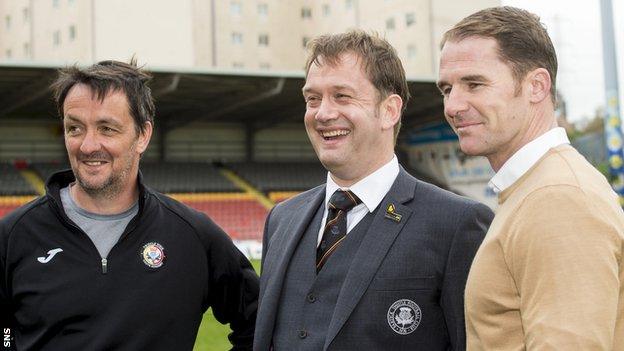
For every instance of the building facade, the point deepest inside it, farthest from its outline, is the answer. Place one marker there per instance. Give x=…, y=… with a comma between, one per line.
x=219, y=34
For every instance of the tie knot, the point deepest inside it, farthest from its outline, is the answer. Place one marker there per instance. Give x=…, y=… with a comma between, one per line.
x=344, y=200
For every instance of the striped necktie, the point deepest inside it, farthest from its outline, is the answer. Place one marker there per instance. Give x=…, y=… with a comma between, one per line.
x=335, y=229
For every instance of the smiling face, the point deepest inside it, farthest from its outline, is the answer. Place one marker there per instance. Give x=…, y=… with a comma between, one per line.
x=485, y=106
x=103, y=145
x=351, y=130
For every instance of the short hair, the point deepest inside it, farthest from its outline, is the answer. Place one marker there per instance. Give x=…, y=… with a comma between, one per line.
x=104, y=77
x=379, y=60
x=522, y=40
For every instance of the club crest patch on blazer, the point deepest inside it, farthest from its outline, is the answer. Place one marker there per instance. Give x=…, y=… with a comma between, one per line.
x=404, y=316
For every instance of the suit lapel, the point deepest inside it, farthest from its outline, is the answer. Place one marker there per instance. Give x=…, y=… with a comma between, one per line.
x=378, y=240
x=283, y=245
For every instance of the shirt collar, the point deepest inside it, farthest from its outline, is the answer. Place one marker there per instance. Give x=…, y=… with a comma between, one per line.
x=372, y=189
x=528, y=155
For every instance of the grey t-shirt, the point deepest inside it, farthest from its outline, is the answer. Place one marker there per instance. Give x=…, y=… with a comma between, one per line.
x=104, y=230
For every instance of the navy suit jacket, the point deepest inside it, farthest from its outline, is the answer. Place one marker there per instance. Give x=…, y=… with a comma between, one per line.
x=419, y=261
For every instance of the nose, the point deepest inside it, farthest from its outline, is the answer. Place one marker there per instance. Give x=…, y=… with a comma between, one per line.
x=327, y=111
x=455, y=103
x=90, y=143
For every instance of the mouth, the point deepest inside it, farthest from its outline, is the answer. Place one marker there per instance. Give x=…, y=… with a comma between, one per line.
x=94, y=163
x=335, y=134
x=465, y=126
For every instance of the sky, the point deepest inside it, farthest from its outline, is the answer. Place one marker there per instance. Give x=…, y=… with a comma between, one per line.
x=575, y=28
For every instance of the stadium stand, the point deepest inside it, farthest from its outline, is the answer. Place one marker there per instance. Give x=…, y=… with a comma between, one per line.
x=239, y=214
x=12, y=182
x=45, y=169
x=281, y=176
x=179, y=177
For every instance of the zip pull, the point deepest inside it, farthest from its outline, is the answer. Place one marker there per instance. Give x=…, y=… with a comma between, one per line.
x=104, y=266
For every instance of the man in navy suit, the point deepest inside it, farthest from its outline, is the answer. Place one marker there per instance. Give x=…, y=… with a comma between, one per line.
x=373, y=259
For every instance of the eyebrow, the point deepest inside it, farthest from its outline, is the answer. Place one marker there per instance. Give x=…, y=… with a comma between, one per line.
x=474, y=78
x=470, y=78
x=334, y=87
x=100, y=121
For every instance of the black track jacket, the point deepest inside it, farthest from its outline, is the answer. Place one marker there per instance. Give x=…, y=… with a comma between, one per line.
x=170, y=264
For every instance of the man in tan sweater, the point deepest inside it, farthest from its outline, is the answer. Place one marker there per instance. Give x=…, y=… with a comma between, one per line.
x=550, y=272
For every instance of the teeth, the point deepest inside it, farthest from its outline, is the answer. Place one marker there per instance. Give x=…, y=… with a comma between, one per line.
x=334, y=133
x=94, y=163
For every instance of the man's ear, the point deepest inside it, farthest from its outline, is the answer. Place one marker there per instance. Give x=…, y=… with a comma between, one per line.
x=144, y=137
x=391, y=111
x=539, y=83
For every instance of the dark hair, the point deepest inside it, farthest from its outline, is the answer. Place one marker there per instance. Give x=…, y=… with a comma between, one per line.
x=106, y=76
x=522, y=39
x=379, y=59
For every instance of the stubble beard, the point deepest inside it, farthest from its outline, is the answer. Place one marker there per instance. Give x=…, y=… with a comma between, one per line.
x=112, y=186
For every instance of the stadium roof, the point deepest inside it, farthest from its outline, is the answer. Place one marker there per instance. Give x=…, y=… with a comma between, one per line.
x=258, y=99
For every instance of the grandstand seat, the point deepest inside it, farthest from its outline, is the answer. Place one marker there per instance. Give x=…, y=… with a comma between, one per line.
x=281, y=176
x=178, y=177
x=46, y=169
x=12, y=182
x=240, y=216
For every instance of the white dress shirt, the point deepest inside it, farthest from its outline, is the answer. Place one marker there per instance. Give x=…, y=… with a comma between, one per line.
x=371, y=190
x=528, y=155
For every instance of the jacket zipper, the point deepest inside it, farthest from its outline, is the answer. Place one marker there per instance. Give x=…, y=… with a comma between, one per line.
x=104, y=261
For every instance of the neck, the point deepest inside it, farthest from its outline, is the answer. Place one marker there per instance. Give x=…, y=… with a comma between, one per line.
x=105, y=203
x=541, y=122
x=346, y=179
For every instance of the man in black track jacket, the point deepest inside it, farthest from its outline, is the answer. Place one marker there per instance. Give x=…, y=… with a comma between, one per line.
x=102, y=262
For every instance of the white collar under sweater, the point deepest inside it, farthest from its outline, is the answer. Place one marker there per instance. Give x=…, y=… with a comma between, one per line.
x=528, y=155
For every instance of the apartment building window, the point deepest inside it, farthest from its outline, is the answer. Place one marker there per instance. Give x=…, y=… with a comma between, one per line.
x=263, y=10
x=390, y=24
x=348, y=4
x=236, y=8
x=72, y=33
x=8, y=53
x=56, y=38
x=55, y=3
x=306, y=12
x=305, y=41
x=265, y=66
x=326, y=10
x=25, y=14
x=237, y=38
x=410, y=19
x=238, y=65
x=263, y=40
x=411, y=51
x=26, y=49
x=7, y=22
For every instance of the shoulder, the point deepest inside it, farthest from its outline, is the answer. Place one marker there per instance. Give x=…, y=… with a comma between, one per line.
x=444, y=201
x=563, y=217
x=13, y=223
x=296, y=202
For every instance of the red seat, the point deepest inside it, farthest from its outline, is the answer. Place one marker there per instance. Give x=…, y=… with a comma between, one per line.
x=242, y=219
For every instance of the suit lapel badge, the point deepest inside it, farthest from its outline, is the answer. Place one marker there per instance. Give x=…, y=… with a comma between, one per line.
x=391, y=213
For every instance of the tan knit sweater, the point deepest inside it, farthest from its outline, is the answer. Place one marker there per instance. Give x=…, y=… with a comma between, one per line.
x=550, y=273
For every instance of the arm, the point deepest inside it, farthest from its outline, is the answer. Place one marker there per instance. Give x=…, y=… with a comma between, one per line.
x=266, y=236
x=472, y=227
x=564, y=257
x=233, y=289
